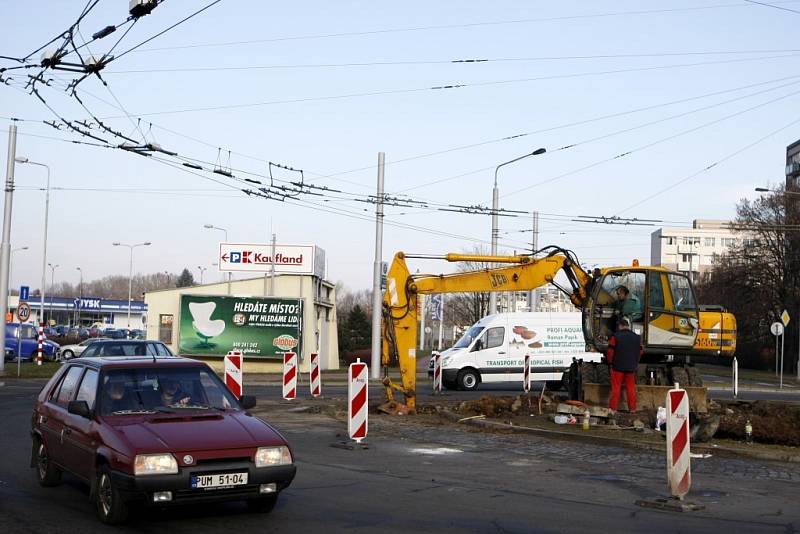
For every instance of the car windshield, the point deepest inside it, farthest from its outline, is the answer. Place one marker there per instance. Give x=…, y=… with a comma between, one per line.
x=467, y=339
x=153, y=390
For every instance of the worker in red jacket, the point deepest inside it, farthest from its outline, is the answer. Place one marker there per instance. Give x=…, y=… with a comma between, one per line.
x=624, y=351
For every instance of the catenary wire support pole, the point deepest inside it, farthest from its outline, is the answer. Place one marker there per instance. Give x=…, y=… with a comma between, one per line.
x=5, y=246
x=377, y=297
x=272, y=268
x=441, y=323
x=533, y=302
x=39, y=355
x=422, y=322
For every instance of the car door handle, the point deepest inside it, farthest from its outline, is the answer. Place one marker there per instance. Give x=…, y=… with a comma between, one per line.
x=501, y=352
x=67, y=430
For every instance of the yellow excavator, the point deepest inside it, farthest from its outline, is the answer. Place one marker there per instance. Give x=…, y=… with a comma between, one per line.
x=672, y=324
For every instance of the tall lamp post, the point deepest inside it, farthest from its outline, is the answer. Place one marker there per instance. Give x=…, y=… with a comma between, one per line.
x=11, y=263
x=212, y=227
x=495, y=209
x=80, y=298
x=130, y=271
x=202, y=270
x=44, y=248
x=52, y=283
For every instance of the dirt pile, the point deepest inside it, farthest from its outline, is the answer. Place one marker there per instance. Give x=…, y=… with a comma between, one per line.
x=773, y=422
x=493, y=406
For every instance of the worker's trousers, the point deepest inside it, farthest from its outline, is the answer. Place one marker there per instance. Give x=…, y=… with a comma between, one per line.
x=617, y=378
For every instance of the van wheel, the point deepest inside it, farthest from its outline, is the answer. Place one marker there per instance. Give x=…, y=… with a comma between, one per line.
x=468, y=379
x=46, y=472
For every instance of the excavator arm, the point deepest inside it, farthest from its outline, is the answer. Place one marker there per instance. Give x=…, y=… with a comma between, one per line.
x=522, y=273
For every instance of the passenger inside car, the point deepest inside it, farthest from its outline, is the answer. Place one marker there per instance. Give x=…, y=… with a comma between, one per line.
x=118, y=397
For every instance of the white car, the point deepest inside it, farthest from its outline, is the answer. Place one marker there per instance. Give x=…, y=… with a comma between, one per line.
x=73, y=351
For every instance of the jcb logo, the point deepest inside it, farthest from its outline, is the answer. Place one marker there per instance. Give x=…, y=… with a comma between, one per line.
x=498, y=280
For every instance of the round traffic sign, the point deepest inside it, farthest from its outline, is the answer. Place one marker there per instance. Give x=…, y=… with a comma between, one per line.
x=776, y=328
x=23, y=312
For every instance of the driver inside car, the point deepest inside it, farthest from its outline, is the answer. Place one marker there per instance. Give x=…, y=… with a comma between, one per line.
x=172, y=394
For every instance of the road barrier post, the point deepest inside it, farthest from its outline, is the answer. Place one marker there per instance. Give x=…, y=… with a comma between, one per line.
x=678, y=460
x=357, y=396
x=735, y=377
x=437, y=373
x=315, y=382
x=526, y=374
x=289, y=375
x=39, y=354
x=233, y=372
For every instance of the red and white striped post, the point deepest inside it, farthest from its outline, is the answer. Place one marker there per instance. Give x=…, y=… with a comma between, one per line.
x=526, y=374
x=39, y=353
x=233, y=372
x=316, y=379
x=357, y=395
x=289, y=375
x=678, y=460
x=437, y=373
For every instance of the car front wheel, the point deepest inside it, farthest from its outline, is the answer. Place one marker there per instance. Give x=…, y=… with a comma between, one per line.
x=111, y=508
x=46, y=472
x=67, y=355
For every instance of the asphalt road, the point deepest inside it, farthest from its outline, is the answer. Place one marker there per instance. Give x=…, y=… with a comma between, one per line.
x=418, y=476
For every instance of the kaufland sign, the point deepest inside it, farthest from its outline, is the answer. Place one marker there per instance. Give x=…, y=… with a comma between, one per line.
x=249, y=257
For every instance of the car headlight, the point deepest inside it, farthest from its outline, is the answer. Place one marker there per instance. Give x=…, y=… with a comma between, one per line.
x=446, y=360
x=271, y=456
x=155, y=464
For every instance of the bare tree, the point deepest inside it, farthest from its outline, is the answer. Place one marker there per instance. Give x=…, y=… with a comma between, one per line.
x=756, y=278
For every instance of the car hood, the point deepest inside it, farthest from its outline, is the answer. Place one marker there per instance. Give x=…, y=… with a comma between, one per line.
x=195, y=431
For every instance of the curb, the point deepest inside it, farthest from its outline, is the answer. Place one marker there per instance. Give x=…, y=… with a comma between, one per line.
x=777, y=456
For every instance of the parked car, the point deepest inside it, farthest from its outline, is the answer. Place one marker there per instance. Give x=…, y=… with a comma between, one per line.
x=138, y=334
x=125, y=347
x=160, y=431
x=95, y=331
x=27, y=338
x=62, y=330
x=73, y=351
x=49, y=331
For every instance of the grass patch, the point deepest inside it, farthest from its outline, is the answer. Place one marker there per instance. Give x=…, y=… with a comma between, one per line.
x=31, y=370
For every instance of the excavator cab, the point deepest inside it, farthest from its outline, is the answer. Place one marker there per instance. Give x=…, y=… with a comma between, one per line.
x=660, y=304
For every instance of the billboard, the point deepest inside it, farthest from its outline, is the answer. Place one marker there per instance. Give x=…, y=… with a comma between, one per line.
x=257, y=258
x=258, y=327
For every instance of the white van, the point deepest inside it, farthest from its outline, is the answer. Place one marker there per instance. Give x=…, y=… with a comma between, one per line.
x=493, y=349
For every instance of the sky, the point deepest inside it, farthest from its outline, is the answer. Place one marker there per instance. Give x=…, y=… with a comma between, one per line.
x=668, y=111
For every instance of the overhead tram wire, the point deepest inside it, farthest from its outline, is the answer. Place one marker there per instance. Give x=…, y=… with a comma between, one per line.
x=453, y=26
x=451, y=86
x=707, y=168
x=649, y=145
x=468, y=61
x=336, y=176
x=606, y=136
x=773, y=6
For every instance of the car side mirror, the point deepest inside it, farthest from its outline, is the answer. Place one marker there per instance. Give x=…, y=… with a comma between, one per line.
x=79, y=407
x=247, y=402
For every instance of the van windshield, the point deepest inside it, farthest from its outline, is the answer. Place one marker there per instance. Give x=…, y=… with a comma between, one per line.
x=467, y=339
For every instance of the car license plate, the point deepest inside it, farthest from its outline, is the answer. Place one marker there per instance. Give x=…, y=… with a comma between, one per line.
x=218, y=480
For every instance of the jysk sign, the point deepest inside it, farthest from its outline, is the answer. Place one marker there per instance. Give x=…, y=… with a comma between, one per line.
x=249, y=257
x=257, y=327
x=88, y=304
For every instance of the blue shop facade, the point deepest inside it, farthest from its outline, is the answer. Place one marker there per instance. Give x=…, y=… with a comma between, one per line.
x=85, y=311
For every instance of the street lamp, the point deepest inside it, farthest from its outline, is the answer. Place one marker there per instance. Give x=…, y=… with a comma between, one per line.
x=44, y=248
x=212, y=227
x=202, y=270
x=130, y=271
x=11, y=263
x=785, y=192
x=495, y=208
x=52, y=283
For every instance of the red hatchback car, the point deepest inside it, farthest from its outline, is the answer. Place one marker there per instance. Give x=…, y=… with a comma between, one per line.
x=158, y=430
